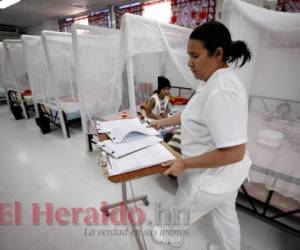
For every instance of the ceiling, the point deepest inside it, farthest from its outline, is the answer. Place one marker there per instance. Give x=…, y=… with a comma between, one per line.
x=32, y=12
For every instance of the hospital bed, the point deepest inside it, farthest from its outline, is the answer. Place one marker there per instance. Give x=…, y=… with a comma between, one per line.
x=59, y=101
x=273, y=193
x=15, y=100
x=70, y=110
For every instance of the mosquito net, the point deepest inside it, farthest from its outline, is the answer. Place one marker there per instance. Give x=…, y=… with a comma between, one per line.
x=15, y=73
x=37, y=69
x=60, y=63
x=1, y=67
x=274, y=40
x=150, y=49
x=127, y=71
x=96, y=51
x=59, y=55
x=272, y=81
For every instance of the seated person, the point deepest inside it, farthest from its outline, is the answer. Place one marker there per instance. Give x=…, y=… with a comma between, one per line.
x=157, y=107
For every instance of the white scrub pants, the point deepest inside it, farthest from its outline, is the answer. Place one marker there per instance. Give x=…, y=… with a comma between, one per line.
x=222, y=209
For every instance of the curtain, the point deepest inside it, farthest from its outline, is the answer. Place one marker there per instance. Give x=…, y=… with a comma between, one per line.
x=288, y=5
x=136, y=9
x=191, y=13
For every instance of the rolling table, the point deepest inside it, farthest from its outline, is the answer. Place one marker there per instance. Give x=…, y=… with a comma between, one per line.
x=124, y=178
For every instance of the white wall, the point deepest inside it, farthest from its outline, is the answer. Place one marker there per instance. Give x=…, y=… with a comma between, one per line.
x=45, y=25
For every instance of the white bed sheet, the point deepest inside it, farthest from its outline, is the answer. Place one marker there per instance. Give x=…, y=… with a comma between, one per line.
x=278, y=169
x=71, y=109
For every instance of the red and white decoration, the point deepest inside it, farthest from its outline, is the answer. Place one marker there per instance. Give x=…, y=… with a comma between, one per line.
x=288, y=6
x=191, y=13
x=100, y=18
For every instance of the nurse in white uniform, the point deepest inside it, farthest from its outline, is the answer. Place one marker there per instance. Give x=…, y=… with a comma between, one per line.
x=213, y=135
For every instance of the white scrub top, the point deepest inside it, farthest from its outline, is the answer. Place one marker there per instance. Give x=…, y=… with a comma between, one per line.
x=216, y=117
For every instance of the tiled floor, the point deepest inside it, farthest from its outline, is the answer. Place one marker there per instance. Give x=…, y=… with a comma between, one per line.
x=48, y=168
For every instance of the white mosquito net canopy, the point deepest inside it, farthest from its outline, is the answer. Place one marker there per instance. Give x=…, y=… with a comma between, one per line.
x=117, y=71
x=150, y=49
x=15, y=72
x=274, y=40
x=60, y=63
x=100, y=91
x=59, y=55
x=2, y=56
x=272, y=80
x=36, y=65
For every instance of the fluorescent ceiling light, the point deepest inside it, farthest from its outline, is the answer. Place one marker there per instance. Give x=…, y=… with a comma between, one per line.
x=6, y=3
x=79, y=5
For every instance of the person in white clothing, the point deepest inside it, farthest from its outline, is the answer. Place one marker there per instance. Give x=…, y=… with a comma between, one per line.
x=213, y=136
x=157, y=106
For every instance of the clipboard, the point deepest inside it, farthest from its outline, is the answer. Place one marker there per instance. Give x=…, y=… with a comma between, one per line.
x=156, y=169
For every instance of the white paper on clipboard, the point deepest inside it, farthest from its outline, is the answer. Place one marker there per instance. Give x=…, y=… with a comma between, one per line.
x=117, y=150
x=143, y=158
x=124, y=130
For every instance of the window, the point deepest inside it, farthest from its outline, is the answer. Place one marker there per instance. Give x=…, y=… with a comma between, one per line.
x=159, y=10
x=82, y=20
x=98, y=18
x=101, y=18
x=66, y=24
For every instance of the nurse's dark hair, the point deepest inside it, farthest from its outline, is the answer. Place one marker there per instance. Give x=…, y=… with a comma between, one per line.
x=215, y=35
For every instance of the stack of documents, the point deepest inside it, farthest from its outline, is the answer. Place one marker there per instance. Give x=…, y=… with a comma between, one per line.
x=123, y=130
x=144, y=158
x=118, y=150
x=132, y=146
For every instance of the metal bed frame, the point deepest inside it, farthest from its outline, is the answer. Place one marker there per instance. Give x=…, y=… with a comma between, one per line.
x=14, y=101
x=53, y=117
x=262, y=210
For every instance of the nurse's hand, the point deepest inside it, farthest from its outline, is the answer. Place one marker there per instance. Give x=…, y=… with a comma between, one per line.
x=176, y=167
x=157, y=124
